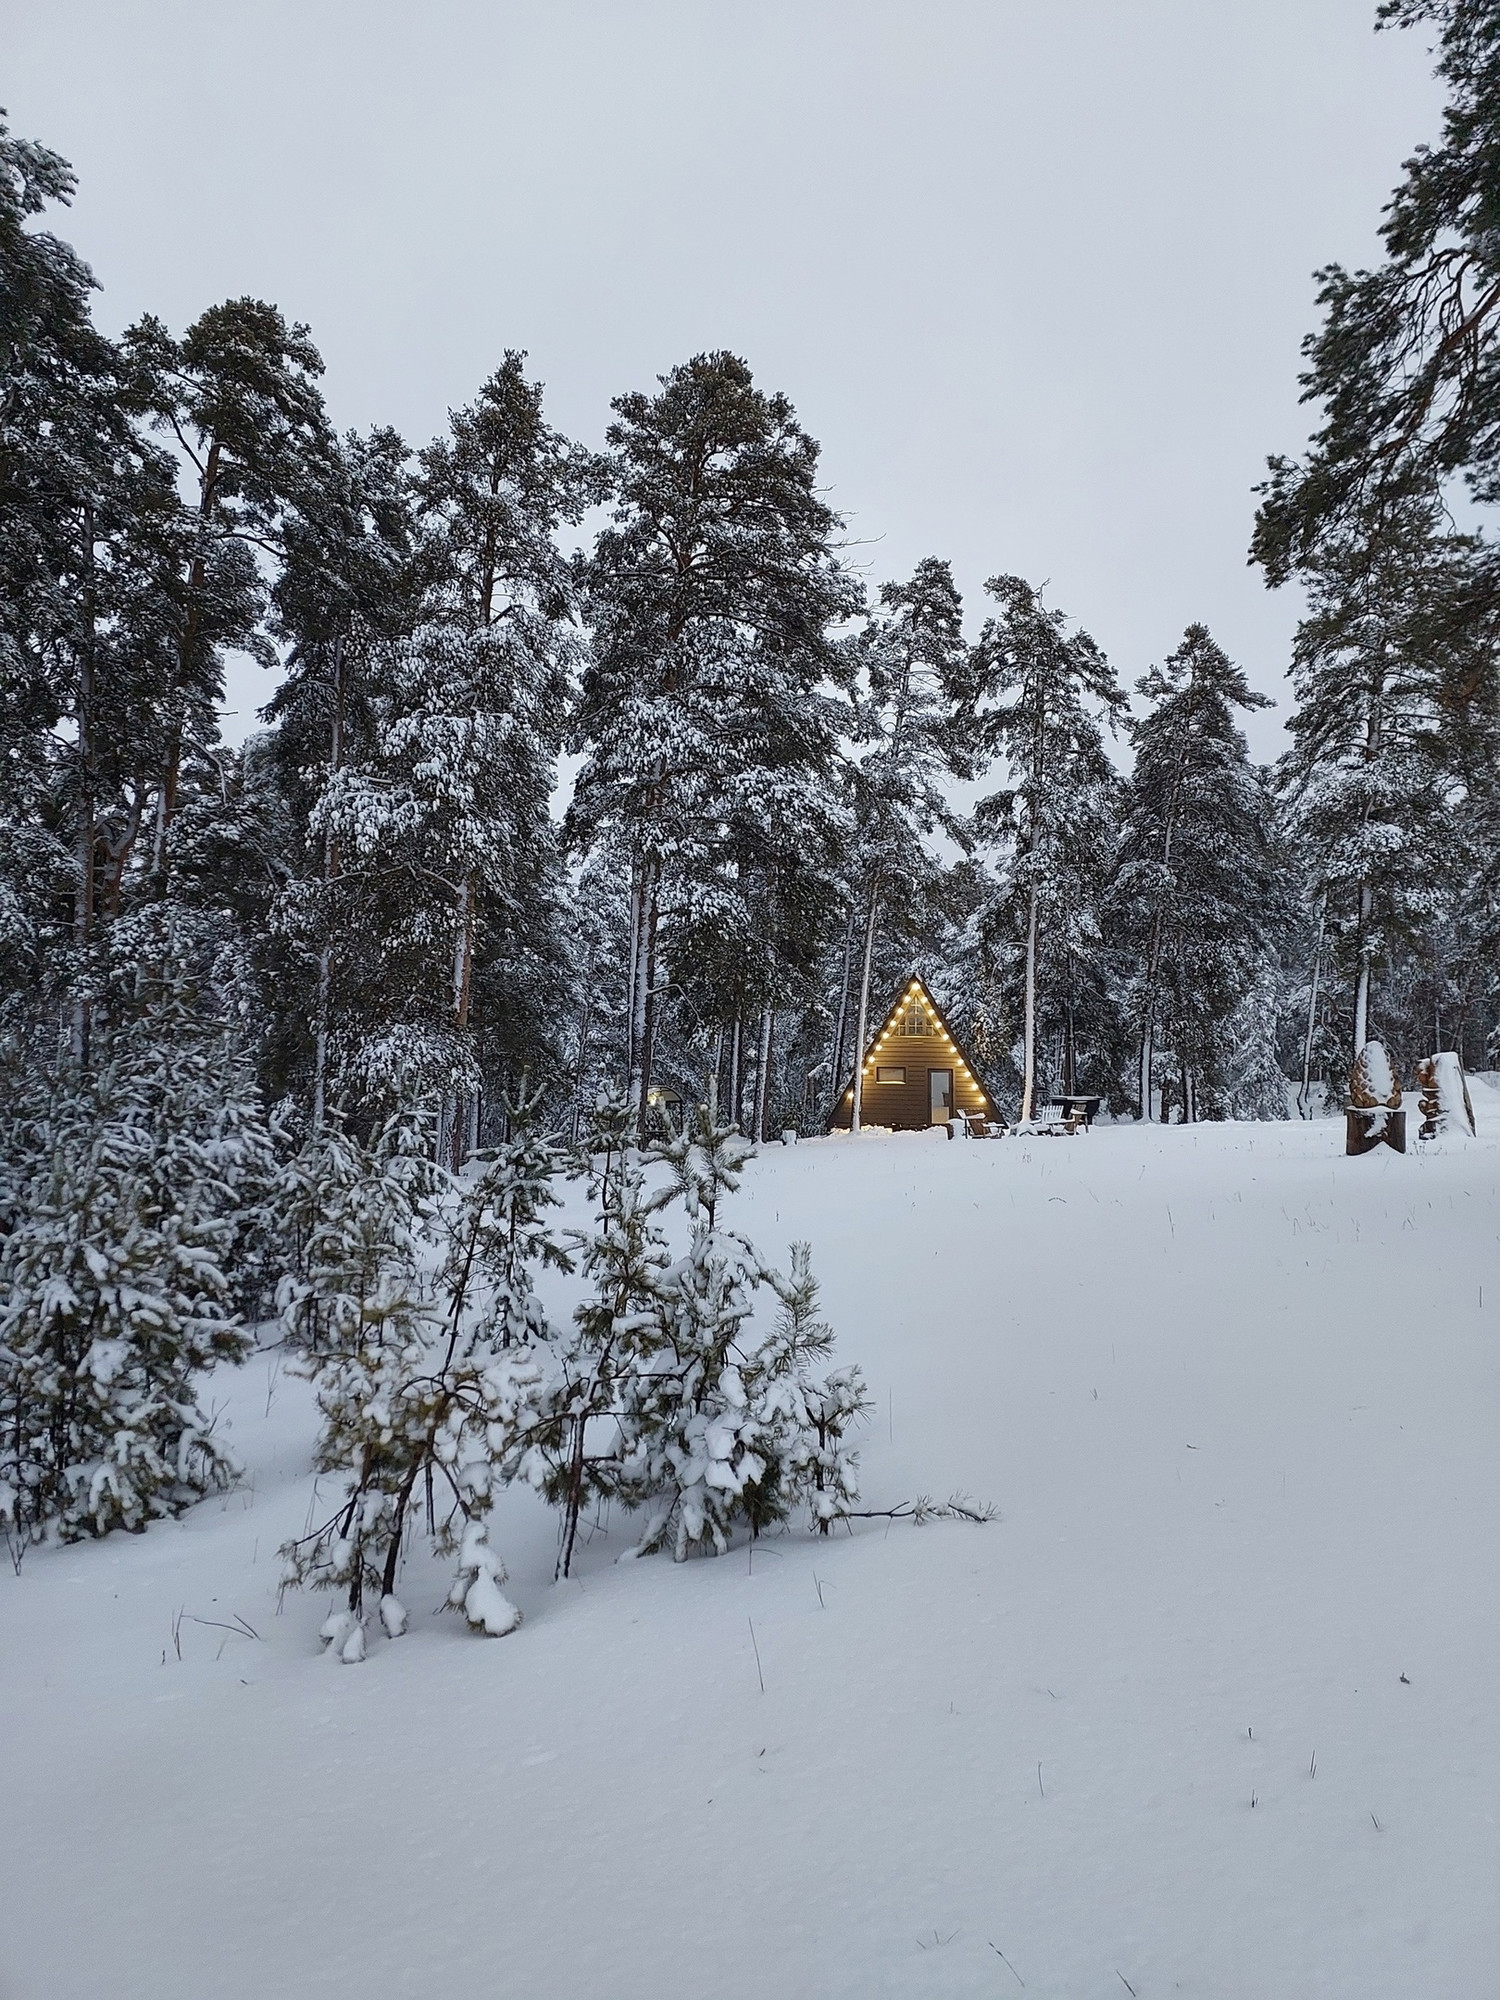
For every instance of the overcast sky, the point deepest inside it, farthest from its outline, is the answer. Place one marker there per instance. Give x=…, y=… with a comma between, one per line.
x=1035, y=274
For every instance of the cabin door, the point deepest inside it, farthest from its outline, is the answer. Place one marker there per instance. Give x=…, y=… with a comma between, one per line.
x=940, y=1087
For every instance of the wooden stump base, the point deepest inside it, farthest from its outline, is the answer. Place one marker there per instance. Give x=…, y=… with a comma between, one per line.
x=1365, y=1130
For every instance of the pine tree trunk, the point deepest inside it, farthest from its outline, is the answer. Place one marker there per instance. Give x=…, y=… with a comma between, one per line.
x=735, y=1041
x=578, y=1074
x=1158, y=927
x=1304, y=1095
x=330, y=874
x=320, y=1047
x=763, y=1075
x=1148, y=1014
x=632, y=973
x=713, y=1076
x=1362, y=980
x=166, y=797
x=88, y=825
x=572, y=1498
x=1144, y=1081
x=463, y=976
x=862, y=1034
x=1373, y=723
x=648, y=1002
x=1028, y=1077
x=841, y=1030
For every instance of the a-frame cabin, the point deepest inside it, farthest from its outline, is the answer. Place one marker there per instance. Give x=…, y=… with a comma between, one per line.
x=916, y=1073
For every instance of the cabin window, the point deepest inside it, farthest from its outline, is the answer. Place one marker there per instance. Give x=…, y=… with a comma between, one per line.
x=890, y=1073
x=914, y=1021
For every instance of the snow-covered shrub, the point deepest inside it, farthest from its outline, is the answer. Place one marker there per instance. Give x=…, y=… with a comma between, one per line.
x=681, y=1408
x=616, y=1329
x=127, y=1209
x=504, y=1233
x=813, y=1463
x=434, y=1384
x=351, y=1217
x=695, y=1422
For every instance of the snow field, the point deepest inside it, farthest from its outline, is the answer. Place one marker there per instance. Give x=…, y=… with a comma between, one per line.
x=1235, y=1397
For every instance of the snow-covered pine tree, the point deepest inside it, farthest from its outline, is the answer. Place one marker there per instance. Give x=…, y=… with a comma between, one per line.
x=502, y=1234
x=697, y=1441
x=724, y=1423
x=432, y=1395
x=805, y=1416
x=479, y=717
x=1373, y=806
x=237, y=400
x=333, y=1219
x=1036, y=697
x=693, y=1433
x=1253, y=1081
x=141, y=1178
x=1198, y=892
x=348, y=585
x=711, y=595
x=434, y=645
x=912, y=677
x=1402, y=620
x=89, y=565
x=616, y=1328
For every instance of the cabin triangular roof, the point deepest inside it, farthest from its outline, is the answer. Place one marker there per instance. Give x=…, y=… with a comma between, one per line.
x=916, y=985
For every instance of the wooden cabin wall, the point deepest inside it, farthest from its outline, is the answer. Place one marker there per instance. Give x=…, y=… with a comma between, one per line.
x=906, y=1106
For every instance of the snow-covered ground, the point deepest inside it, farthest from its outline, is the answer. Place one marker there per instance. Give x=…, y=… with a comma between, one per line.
x=1211, y=1709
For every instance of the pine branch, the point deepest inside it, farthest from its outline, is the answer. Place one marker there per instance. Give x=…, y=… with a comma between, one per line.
x=957, y=1507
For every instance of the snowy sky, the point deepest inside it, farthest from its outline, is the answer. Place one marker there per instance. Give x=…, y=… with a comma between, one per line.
x=1034, y=271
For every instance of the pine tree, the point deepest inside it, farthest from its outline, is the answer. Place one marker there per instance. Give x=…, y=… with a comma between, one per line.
x=348, y=586
x=693, y=1433
x=479, y=718
x=503, y=1233
x=429, y=1396
x=912, y=664
x=1373, y=805
x=720, y=1423
x=1198, y=886
x=807, y=1416
x=616, y=1328
x=139, y=1182
x=1403, y=368
x=1404, y=362
x=237, y=394
x=88, y=543
x=710, y=595
x=1036, y=696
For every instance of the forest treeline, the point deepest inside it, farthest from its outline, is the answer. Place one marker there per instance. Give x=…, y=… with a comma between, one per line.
x=378, y=900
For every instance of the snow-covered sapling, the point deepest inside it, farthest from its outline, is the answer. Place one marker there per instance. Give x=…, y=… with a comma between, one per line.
x=114, y=1293
x=431, y=1399
x=616, y=1329
x=730, y=1424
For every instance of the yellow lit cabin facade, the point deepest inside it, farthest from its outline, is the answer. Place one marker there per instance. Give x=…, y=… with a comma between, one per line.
x=915, y=1073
